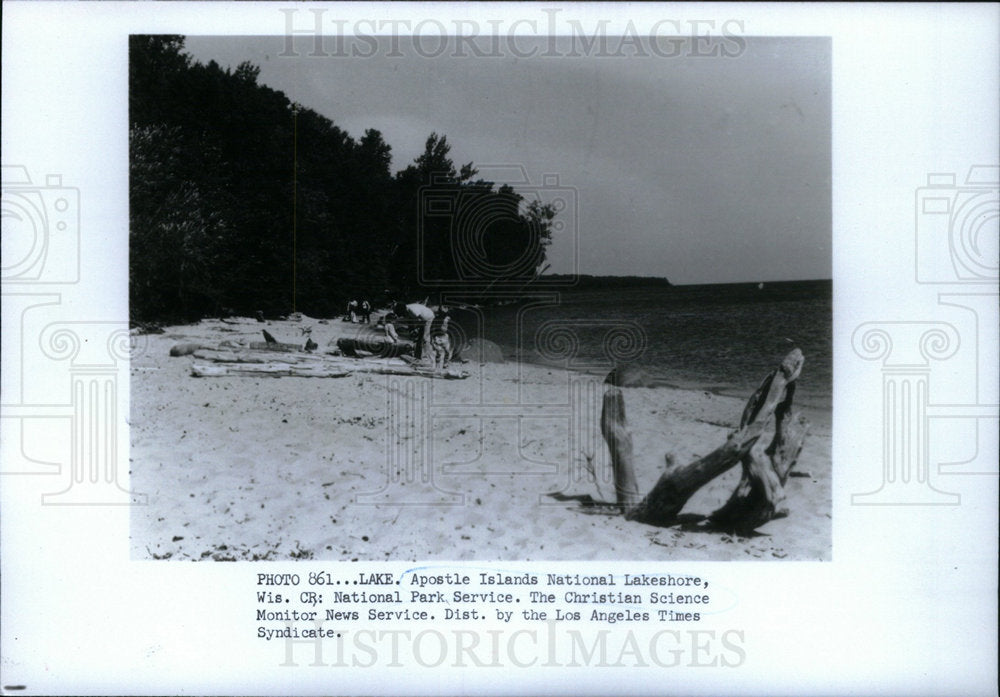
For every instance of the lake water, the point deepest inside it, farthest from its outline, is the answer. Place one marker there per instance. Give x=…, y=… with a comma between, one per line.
x=723, y=338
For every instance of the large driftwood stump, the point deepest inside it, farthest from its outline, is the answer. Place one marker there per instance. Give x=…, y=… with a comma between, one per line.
x=759, y=496
x=616, y=433
x=766, y=463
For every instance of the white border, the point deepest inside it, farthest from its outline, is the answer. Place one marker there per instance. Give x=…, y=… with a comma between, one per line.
x=908, y=606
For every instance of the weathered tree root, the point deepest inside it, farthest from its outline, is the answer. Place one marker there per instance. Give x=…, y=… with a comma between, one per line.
x=758, y=497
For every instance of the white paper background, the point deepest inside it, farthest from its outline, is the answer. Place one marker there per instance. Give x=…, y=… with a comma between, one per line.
x=908, y=606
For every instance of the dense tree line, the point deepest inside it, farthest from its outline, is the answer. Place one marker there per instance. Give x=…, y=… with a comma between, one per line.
x=241, y=200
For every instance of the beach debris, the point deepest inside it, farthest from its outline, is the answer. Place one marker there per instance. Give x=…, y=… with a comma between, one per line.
x=349, y=346
x=145, y=328
x=631, y=375
x=230, y=364
x=273, y=358
x=614, y=428
x=218, y=370
x=274, y=346
x=215, y=355
x=588, y=464
x=767, y=462
x=185, y=349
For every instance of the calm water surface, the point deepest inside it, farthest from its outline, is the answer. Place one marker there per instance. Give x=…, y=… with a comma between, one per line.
x=723, y=338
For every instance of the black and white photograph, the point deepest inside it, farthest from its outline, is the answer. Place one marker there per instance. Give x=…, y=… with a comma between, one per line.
x=497, y=348
x=412, y=299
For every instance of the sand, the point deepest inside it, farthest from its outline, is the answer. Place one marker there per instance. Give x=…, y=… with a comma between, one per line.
x=379, y=468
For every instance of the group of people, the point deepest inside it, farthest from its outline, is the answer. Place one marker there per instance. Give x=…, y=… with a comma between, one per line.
x=427, y=329
x=359, y=311
x=432, y=344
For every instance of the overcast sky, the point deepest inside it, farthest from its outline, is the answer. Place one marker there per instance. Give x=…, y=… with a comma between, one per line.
x=703, y=170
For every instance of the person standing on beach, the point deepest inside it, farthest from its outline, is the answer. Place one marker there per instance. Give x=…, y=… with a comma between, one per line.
x=440, y=341
x=366, y=312
x=390, y=330
x=422, y=313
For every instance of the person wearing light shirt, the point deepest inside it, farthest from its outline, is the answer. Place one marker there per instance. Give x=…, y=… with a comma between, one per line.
x=420, y=312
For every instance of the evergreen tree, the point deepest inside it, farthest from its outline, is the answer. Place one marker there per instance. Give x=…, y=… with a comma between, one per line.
x=242, y=199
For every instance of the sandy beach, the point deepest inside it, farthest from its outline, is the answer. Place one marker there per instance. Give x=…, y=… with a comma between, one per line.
x=378, y=467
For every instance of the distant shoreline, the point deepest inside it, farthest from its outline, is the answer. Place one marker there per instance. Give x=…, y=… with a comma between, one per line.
x=587, y=280
x=562, y=281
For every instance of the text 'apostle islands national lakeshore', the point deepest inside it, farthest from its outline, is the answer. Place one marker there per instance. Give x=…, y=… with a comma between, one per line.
x=318, y=605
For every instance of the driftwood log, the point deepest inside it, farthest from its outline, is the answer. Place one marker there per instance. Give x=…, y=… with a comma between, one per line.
x=275, y=370
x=614, y=428
x=274, y=346
x=766, y=462
x=265, y=364
x=349, y=346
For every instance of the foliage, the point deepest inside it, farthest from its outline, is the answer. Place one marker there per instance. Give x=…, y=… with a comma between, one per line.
x=241, y=200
